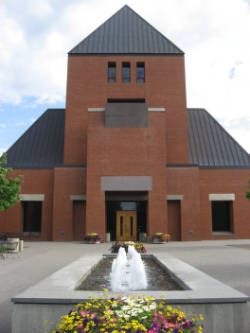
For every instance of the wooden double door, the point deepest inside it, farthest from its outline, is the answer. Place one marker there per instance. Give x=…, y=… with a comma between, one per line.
x=126, y=225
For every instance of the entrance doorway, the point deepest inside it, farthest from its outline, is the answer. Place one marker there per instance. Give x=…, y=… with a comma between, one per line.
x=126, y=225
x=174, y=220
x=78, y=220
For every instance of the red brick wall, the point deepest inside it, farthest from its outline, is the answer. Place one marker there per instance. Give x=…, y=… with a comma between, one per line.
x=87, y=86
x=185, y=181
x=196, y=213
x=35, y=182
x=225, y=181
x=67, y=182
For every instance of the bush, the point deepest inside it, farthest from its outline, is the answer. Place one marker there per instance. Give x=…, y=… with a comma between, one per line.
x=138, y=246
x=128, y=314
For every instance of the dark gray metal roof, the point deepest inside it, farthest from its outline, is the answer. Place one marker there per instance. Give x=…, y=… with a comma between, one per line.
x=211, y=145
x=126, y=33
x=41, y=146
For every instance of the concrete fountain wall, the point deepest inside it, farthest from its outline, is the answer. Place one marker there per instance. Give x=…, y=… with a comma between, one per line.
x=39, y=308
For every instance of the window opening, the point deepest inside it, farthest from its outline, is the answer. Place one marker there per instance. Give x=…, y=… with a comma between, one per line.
x=222, y=216
x=125, y=72
x=111, y=72
x=140, y=72
x=126, y=100
x=131, y=225
x=32, y=216
x=121, y=225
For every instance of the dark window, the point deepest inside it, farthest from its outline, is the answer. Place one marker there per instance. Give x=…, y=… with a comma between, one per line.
x=111, y=72
x=222, y=216
x=32, y=216
x=140, y=72
x=125, y=72
x=126, y=100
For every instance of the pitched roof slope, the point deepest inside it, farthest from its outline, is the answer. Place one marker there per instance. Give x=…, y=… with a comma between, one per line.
x=211, y=145
x=41, y=146
x=126, y=33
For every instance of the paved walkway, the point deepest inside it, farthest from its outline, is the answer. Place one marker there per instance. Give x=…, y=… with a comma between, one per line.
x=227, y=261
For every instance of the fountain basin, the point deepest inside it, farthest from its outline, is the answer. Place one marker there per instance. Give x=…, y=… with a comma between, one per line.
x=57, y=294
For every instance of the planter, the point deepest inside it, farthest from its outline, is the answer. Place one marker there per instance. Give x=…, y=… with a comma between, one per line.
x=143, y=237
x=13, y=244
x=107, y=237
x=156, y=240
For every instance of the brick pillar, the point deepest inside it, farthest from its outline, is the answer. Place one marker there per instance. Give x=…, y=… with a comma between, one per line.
x=95, y=207
x=157, y=212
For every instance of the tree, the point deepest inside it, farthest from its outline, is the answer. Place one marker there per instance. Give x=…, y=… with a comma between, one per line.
x=10, y=187
x=248, y=190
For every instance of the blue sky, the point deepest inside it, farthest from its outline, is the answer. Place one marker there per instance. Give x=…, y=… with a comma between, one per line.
x=35, y=39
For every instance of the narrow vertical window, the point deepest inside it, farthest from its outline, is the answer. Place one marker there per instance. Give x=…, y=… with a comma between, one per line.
x=140, y=72
x=111, y=72
x=121, y=225
x=131, y=226
x=125, y=72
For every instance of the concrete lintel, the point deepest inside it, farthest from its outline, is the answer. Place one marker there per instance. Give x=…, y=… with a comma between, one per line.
x=31, y=197
x=221, y=196
x=175, y=197
x=126, y=183
x=96, y=109
x=76, y=197
x=157, y=109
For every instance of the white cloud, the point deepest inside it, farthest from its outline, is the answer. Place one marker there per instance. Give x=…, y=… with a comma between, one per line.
x=2, y=150
x=3, y=125
x=35, y=39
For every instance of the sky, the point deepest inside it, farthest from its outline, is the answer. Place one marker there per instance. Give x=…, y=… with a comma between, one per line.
x=35, y=37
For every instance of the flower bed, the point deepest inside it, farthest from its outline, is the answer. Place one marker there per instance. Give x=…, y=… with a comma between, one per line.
x=128, y=314
x=160, y=237
x=92, y=237
x=138, y=246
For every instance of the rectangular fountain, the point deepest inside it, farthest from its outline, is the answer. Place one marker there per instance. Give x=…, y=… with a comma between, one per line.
x=198, y=293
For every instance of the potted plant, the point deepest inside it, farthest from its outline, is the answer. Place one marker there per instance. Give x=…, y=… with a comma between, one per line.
x=140, y=248
x=92, y=238
x=160, y=237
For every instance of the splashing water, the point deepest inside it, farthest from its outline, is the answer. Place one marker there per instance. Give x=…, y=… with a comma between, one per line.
x=128, y=272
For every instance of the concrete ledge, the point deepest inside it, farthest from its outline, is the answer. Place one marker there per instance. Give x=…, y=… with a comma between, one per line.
x=156, y=109
x=126, y=183
x=77, y=197
x=175, y=197
x=96, y=109
x=55, y=296
x=31, y=197
x=221, y=197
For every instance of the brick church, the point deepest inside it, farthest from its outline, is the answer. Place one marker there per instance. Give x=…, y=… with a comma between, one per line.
x=126, y=157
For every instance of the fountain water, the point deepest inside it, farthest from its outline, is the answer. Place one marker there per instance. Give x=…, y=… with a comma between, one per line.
x=128, y=272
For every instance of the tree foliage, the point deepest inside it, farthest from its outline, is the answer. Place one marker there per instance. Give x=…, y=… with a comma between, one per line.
x=10, y=187
x=248, y=190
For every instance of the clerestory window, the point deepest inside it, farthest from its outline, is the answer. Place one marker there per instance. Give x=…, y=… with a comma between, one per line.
x=140, y=72
x=125, y=72
x=111, y=72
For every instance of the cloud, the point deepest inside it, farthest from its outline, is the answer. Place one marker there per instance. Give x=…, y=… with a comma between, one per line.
x=35, y=39
x=2, y=150
x=3, y=125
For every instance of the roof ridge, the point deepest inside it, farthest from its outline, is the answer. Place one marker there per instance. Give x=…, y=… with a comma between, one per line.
x=153, y=27
x=97, y=28
x=106, y=38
